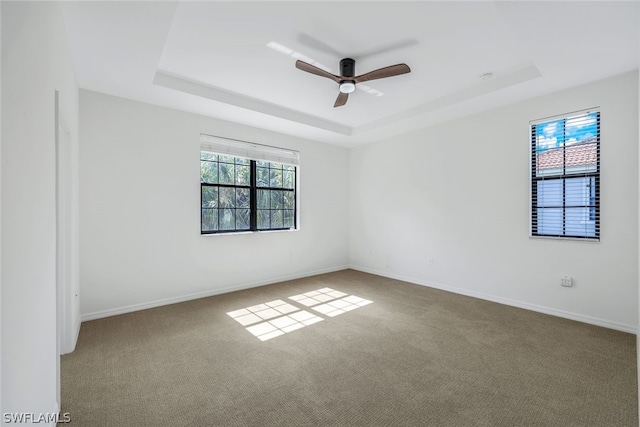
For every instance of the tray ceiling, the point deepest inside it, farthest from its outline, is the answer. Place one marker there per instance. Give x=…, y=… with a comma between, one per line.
x=235, y=60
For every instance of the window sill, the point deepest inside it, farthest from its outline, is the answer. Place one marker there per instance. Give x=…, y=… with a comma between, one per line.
x=235, y=233
x=573, y=239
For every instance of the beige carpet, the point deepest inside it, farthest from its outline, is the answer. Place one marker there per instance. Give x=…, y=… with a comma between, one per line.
x=413, y=357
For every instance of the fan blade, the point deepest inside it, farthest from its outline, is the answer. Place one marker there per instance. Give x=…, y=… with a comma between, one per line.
x=301, y=65
x=381, y=73
x=341, y=99
x=318, y=45
x=400, y=44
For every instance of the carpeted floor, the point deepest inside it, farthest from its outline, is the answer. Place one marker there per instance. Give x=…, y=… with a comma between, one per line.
x=415, y=356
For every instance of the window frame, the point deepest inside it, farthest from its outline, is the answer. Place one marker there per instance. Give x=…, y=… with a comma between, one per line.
x=254, y=197
x=253, y=187
x=594, y=197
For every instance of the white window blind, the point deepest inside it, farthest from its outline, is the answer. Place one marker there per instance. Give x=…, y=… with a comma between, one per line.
x=248, y=150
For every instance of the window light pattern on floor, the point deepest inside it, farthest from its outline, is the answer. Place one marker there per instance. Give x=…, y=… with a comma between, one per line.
x=335, y=302
x=275, y=318
x=267, y=321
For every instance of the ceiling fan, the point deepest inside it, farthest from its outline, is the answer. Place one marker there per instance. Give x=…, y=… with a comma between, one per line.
x=347, y=78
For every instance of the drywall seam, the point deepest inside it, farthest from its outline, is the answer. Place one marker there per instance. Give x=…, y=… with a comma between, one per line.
x=506, y=301
x=173, y=300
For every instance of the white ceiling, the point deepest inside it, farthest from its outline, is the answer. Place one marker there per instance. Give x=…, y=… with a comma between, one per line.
x=215, y=59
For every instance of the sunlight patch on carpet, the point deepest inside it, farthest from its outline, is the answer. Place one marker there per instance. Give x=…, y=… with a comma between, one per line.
x=277, y=317
x=272, y=319
x=335, y=302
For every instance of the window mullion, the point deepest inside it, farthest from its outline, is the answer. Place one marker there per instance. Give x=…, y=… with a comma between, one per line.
x=253, y=197
x=564, y=177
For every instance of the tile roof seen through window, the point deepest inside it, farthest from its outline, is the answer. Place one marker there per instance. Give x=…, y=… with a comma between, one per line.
x=579, y=154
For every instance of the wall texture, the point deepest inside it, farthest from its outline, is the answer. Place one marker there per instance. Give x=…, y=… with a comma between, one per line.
x=448, y=207
x=35, y=63
x=140, y=242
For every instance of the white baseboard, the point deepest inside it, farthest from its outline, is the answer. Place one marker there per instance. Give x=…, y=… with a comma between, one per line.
x=56, y=411
x=173, y=300
x=506, y=301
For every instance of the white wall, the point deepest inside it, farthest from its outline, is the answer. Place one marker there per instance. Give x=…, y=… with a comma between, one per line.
x=1, y=209
x=67, y=236
x=35, y=63
x=140, y=242
x=458, y=194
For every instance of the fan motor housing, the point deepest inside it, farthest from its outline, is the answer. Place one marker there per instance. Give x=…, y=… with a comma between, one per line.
x=347, y=67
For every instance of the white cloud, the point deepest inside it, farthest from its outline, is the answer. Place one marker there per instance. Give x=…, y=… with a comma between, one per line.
x=550, y=129
x=580, y=121
x=547, y=142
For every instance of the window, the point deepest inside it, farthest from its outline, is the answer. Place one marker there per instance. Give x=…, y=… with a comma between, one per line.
x=242, y=189
x=565, y=176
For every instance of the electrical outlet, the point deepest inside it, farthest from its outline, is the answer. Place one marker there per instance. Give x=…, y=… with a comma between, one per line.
x=566, y=281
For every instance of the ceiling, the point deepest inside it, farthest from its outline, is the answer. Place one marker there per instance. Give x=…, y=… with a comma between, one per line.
x=236, y=60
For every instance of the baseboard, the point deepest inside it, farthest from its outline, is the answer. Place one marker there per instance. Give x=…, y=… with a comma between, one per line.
x=57, y=411
x=76, y=334
x=173, y=300
x=506, y=301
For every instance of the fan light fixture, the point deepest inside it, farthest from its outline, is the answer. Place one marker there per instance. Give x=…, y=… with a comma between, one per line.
x=347, y=87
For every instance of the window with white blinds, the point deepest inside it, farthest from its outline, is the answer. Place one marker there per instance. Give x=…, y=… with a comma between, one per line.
x=565, y=176
x=246, y=186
